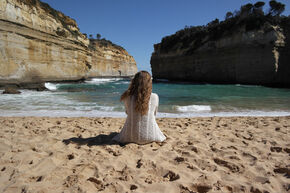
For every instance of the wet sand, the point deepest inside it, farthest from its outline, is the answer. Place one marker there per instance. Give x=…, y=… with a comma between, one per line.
x=218, y=154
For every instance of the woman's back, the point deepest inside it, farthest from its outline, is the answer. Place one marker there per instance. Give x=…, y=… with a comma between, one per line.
x=141, y=128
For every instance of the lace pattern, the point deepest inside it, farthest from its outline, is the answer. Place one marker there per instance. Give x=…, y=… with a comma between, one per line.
x=139, y=128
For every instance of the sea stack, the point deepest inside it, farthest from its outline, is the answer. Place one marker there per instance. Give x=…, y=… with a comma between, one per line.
x=249, y=47
x=41, y=44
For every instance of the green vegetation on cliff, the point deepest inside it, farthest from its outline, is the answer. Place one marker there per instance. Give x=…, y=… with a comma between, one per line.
x=249, y=17
x=66, y=21
x=103, y=43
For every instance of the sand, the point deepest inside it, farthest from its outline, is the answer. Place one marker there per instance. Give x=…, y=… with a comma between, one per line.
x=235, y=154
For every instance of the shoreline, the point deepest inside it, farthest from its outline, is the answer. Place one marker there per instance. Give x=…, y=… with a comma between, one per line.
x=160, y=115
x=39, y=84
x=200, y=154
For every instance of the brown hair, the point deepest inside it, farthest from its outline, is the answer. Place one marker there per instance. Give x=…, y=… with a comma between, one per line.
x=140, y=88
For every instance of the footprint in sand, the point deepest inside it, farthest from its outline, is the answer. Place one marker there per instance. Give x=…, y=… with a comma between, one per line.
x=205, y=165
x=149, y=180
x=202, y=188
x=185, y=153
x=179, y=159
x=285, y=171
x=234, y=168
x=194, y=149
x=98, y=183
x=248, y=136
x=250, y=158
x=113, y=152
x=232, y=147
x=276, y=149
x=139, y=163
x=70, y=156
x=171, y=176
x=133, y=187
x=262, y=180
x=125, y=174
x=145, y=164
x=255, y=190
x=71, y=180
x=287, y=150
x=184, y=189
x=37, y=179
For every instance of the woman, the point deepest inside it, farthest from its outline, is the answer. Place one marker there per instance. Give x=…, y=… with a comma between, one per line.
x=141, y=107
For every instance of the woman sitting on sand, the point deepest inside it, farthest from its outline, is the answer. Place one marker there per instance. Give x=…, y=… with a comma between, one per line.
x=141, y=107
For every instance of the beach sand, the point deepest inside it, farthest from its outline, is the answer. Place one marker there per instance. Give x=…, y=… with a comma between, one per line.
x=218, y=154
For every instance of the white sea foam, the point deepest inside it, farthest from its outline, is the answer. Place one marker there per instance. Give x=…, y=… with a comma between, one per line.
x=102, y=80
x=123, y=82
x=193, y=108
x=247, y=85
x=106, y=108
x=50, y=86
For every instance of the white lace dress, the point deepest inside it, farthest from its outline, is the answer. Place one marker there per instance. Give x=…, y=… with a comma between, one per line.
x=139, y=128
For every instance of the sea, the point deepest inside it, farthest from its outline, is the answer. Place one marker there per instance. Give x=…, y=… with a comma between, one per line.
x=100, y=97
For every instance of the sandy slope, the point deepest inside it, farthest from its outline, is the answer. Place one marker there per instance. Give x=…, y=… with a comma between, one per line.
x=239, y=154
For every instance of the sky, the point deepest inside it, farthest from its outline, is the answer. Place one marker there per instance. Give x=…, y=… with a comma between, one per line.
x=137, y=25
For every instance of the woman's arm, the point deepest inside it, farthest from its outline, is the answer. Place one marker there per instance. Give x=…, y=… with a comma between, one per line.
x=126, y=106
x=157, y=104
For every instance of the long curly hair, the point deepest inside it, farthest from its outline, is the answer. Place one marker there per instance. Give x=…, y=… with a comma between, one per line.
x=140, y=88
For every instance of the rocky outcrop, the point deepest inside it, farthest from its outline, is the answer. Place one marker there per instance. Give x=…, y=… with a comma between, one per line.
x=11, y=90
x=41, y=44
x=230, y=52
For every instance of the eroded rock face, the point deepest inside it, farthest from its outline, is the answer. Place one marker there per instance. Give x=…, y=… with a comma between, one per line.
x=259, y=56
x=110, y=60
x=40, y=44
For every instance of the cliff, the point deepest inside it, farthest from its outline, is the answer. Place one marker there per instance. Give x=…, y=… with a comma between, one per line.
x=41, y=44
x=110, y=60
x=253, y=49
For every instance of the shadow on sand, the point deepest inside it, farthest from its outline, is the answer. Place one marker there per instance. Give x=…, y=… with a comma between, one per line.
x=101, y=139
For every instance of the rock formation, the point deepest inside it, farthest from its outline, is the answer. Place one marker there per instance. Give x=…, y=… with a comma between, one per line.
x=253, y=49
x=110, y=60
x=41, y=44
x=11, y=90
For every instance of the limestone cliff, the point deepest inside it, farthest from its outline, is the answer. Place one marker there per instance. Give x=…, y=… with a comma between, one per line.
x=110, y=60
x=38, y=43
x=251, y=50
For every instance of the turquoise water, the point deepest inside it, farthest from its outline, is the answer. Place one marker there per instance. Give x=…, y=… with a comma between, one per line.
x=100, y=97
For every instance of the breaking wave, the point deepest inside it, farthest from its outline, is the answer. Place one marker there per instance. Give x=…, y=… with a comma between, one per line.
x=193, y=108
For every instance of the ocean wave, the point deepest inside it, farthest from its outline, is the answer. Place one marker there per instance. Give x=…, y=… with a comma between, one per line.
x=123, y=82
x=193, y=108
x=247, y=85
x=102, y=80
x=106, y=108
x=50, y=86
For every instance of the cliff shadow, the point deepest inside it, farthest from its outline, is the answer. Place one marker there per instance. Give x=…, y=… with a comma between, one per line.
x=101, y=140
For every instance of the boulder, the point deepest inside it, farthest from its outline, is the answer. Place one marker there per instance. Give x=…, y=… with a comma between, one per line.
x=11, y=90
